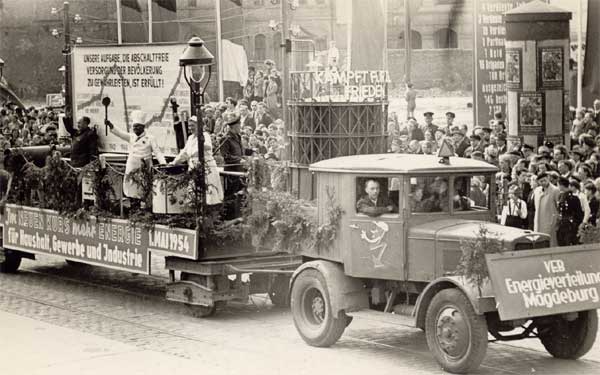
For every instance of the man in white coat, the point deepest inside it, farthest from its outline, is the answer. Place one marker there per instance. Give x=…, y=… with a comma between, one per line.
x=546, y=207
x=141, y=148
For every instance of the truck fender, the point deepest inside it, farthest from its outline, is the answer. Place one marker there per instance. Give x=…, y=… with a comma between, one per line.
x=345, y=293
x=480, y=305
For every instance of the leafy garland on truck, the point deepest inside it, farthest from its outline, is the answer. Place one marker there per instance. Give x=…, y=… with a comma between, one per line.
x=472, y=263
x=271, y=217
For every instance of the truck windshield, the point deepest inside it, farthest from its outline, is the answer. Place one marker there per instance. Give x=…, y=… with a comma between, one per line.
x=429, y=194
x=471, y=193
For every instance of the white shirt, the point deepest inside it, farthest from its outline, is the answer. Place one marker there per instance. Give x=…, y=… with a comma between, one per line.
x=142, y=146
x=511, y=209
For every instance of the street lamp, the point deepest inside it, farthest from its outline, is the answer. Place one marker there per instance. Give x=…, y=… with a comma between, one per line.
x=194, y=60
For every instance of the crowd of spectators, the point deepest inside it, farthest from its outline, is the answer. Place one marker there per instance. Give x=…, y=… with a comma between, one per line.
x=27, y=126
x=535, y=184
x=262, y=133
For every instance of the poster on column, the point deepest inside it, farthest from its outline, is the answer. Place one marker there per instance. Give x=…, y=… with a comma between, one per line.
x=489, y=89
x=134, y=77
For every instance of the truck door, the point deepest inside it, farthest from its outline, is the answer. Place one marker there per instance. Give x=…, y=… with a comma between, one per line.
x=376, y=241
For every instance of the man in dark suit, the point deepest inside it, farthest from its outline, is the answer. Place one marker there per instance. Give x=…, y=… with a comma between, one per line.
x=262, y=117
x=570, y=214
x=245, y=117
x=461, y=143
x=373, y=203
x=233, y=153
x=84, y=147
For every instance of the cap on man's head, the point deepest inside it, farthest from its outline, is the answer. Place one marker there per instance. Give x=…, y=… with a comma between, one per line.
x=476, y=137
x=501, y=137
x=194, y=118
x=498, y=115
x=428, y=114
x=138, y=117
x=527, y=147
x=451, y=114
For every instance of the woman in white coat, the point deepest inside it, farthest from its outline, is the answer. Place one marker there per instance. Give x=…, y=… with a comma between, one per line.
x=189, y=154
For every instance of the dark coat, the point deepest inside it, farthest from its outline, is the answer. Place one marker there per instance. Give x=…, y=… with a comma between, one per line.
x=249, y=121
x=84, y=147
x=264, y=119
x=232, y=151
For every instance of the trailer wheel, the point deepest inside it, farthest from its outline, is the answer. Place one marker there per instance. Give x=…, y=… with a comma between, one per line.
x=570, y=339
x=456, y=335
x=199, y=311
x=311, y=310
x=279, y=290
x=10, y=263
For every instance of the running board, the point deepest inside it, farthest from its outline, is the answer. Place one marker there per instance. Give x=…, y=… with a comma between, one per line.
x=381, y=317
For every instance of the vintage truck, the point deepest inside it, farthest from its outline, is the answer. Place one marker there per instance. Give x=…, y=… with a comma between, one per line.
x=401, y=265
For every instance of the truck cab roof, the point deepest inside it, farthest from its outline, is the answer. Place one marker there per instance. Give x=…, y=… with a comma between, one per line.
x=400, y=164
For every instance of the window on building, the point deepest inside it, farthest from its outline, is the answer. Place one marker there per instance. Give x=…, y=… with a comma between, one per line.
x=260, y=47
x=445, y=38
x=415, y=40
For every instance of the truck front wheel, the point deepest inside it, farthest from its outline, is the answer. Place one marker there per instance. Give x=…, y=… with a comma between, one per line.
x=311, y=310
x=456, y=335
x=570, y=339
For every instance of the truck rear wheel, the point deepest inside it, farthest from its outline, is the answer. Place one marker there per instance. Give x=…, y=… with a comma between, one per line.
x=570, y=339
x=456, y=335
x=10, y=262
x=311, y=310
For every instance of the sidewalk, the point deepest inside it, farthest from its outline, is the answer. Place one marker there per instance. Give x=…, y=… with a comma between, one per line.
x=31, y=347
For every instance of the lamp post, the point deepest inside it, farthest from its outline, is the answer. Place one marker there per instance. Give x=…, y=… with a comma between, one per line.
x=194, y=60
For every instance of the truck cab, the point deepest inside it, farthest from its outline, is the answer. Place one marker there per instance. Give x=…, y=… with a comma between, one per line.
x=406, y=220
x=434, y=206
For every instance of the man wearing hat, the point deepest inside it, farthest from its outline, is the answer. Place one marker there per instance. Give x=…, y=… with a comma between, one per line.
x=461, y=143
x=450, y=116
x=527, y=151
x=141, y=148
x=570, y=214
x=233, y=154
x=429, y=125
x=476, y=145
x=501, y=143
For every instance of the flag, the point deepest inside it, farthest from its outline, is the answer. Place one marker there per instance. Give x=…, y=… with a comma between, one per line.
x=591, y=68
x=133, y=4
x=368, y=35
x=134, y=21
x=165, y=27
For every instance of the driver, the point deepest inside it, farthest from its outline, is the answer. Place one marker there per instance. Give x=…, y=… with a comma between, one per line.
x=373, y=203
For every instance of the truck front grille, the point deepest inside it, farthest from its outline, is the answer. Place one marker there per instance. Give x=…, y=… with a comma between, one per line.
x=532, y=245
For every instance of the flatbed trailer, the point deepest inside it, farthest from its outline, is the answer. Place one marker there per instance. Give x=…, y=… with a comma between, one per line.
x=203, y=281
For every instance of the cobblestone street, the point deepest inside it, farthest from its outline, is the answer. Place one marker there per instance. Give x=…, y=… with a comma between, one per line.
x=250, y=338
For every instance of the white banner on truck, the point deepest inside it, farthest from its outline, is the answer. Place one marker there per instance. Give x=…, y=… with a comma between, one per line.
x=134, y=77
